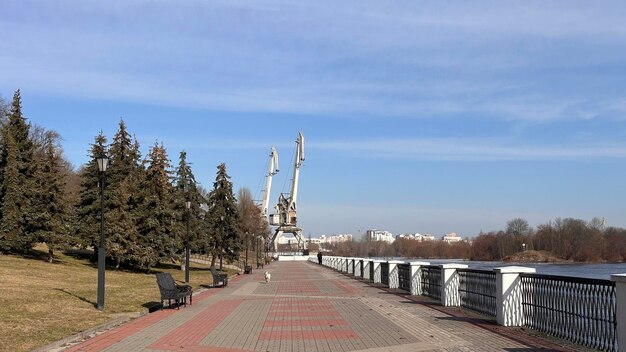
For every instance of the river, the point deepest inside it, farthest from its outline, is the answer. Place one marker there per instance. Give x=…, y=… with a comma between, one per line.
x=593, y=271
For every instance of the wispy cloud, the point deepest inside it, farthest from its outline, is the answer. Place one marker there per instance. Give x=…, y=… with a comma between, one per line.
x=469, y=149
x=405, y=59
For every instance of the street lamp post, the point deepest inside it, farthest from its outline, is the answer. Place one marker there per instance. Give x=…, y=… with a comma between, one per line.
x=245, y=266
x=103, y=162
x=188, y=207
x=221, y=247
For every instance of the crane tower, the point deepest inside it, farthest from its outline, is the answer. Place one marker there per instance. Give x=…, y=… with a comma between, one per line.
x=285, y=218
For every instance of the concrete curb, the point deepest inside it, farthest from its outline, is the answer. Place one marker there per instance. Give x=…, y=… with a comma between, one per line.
x=82, y=336
x=87, y=334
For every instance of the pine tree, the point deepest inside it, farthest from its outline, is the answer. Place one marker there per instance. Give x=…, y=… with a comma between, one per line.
x=122, y=236
x=186, y=190
x=52, y=215
x=18, y=188
x=10, y=229
x=222, y=221
x=122, y=185
x=88, y=212
x=158, y=239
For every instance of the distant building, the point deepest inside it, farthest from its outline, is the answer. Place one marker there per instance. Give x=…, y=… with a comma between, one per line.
x=428, y=237
x=379, y=235
x=416, y=237
x=409, y=236
x=451, y=237
x=344, y=237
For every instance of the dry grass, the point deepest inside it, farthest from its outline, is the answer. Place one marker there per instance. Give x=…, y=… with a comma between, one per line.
x=42, y=302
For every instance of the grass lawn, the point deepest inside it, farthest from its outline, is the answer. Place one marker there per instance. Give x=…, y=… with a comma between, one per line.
x=43, y=302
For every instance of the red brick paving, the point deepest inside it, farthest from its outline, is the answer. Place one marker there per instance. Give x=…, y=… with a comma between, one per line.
x=305, y=307
x=193, y=331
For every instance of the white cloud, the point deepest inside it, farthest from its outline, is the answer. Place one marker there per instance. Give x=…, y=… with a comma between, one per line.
x=469, y=149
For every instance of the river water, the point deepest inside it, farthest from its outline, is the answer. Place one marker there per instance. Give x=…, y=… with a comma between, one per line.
x=593, y=271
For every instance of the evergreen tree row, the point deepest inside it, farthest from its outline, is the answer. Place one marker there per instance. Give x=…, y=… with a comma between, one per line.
x=144, y=206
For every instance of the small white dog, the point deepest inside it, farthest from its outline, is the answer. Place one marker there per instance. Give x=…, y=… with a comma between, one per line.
x=268, y=276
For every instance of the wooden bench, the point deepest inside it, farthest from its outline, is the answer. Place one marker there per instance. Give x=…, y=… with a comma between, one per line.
x=220, y=279
x=170, y=290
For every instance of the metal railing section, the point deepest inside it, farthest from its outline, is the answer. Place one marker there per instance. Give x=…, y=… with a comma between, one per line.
x=477, y=290
x=372, y=271
x=404, y=277
x=384, y=273
x=362, y=262
x=431, y=281
x=576, y=309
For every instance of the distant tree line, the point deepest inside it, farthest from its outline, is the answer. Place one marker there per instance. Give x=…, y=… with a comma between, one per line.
x=43, y=200
x=568, y=239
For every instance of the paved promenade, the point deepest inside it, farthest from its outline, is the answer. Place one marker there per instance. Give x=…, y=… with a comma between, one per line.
x=307, y=307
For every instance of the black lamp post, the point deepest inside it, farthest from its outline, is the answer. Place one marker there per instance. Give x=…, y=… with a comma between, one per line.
x=188, y=207
x=246, y=245
x=221, y=246
x=103, y=162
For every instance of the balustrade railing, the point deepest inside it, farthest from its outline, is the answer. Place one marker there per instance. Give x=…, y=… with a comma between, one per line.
x=362, y=263
x=583, y=311
x=404, y=277
x=576, y=309
x=431, y=281
x=477, y=290
x=384, y=273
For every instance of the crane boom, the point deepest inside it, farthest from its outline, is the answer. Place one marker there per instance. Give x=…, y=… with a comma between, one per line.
x=272, y=170
x=296, y=171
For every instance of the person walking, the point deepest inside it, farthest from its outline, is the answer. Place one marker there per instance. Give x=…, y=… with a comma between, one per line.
x=319, y=258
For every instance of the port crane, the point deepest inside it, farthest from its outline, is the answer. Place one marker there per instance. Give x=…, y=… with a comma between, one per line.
x=285, y=218
x=272, y=170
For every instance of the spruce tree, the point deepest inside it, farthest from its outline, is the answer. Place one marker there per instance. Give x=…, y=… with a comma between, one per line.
x=88, y=211
x=18, y=188
x=52, y=213
x=122, y=185
x=122, y=236
x=186, y=190
x=222, y=222
x=10, y=229
x=158, y=239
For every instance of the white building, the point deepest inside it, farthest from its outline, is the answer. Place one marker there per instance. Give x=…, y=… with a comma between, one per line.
x=428, y=237
x=416, y=237
x=379, y=235
x=451, y=237
x=344, y=237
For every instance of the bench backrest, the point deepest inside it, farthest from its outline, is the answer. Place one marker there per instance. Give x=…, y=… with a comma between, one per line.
x=166, y=281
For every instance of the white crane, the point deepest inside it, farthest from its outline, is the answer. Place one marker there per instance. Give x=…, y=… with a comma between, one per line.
x=285, y=217
x=272, y=170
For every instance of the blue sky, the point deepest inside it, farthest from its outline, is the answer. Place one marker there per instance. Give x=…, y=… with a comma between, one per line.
x=419, y=116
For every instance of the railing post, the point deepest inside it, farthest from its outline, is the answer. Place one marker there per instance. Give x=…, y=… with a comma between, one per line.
x=509, y=310
x=357, y=267
x=366, y=269
x=416, y=277
x=450, y=284
x=377, y=275
x=343, y=266
x=394, y=280
x=620, y=308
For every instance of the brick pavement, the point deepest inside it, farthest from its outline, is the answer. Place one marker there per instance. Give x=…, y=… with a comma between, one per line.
x=307, y=307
